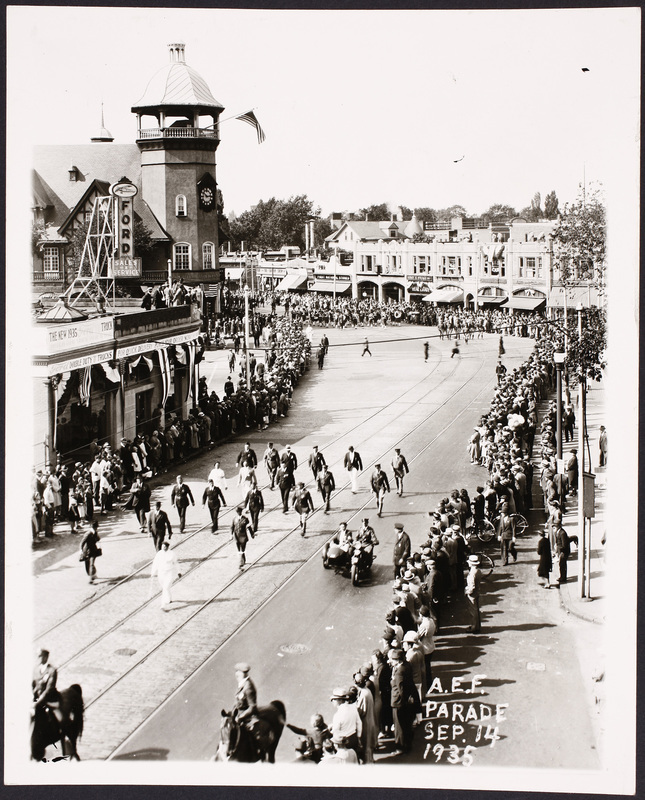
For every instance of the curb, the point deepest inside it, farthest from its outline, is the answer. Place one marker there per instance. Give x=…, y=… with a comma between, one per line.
x=567, y=604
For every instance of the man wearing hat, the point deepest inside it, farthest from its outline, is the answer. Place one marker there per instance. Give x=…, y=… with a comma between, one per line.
x=602, y=446
x=44, y=685
x=379, y=484
x=400, y=468
x=316, y=461
x=326, y=485
x=245, y=710
x=404, y=701
x=346, y=724
x=402, y=548
x=271, y=462
x=473, y=582
x=366, y=536
x=572, y=471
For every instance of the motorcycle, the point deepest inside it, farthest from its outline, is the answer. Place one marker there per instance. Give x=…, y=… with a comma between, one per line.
x=356, y=561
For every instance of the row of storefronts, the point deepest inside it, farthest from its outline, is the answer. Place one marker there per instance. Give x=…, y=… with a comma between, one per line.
x=111, y=377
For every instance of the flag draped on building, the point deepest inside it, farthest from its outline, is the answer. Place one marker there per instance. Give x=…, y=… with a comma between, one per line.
x=164, y=366
x=85, y=386
x=191, y=367
x=250, y=118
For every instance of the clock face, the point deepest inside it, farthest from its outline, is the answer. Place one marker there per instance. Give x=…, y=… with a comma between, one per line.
x=206, y=196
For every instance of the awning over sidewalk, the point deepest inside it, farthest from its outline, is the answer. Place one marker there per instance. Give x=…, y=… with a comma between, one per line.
x=490, y=300
x=525, y=303
x=292, y=280
x=328, y=286
x=445, y=296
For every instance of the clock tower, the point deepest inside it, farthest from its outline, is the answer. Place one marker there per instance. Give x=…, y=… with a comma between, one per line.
x=178, y=134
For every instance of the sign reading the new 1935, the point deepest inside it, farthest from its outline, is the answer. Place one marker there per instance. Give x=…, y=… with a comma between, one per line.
x=125, y=267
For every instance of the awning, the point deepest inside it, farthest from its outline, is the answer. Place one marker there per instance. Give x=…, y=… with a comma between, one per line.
x=491, y=300
x=525, y=303
x=328, y=286
x=232, y=273
x=292, y=280
x=445, y=296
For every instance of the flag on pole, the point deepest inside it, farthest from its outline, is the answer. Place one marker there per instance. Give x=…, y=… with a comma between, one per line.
x=251, y=119
x=85, y=386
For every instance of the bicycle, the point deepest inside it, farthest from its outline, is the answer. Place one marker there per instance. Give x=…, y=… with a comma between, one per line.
x=486, y=564
x=488, y=530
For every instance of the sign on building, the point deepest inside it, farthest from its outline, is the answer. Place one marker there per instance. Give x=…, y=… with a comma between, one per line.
x=125, y=267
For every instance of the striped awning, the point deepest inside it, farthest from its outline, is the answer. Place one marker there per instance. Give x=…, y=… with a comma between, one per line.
x=523, y=303
x=292, y=280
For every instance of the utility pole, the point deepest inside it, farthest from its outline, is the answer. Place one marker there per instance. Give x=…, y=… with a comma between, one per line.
x=583, y=564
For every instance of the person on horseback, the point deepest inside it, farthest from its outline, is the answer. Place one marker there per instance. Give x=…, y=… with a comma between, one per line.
x=245, y=710
x=46, y=695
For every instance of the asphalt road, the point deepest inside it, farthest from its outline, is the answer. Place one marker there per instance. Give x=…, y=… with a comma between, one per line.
x=316, y=628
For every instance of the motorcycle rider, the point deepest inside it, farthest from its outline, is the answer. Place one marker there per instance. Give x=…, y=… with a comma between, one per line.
x=366, y=537
x=344, y=538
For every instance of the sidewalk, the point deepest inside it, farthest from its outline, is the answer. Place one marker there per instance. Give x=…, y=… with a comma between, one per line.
x=594, y=609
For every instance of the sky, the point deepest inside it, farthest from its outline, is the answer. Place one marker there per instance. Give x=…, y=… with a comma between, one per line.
x=415, y=108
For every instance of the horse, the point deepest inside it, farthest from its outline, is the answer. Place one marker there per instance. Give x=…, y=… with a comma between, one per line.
x=237, y=743
x=47, y=730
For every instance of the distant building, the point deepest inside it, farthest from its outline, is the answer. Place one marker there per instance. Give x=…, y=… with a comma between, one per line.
x=463, y=262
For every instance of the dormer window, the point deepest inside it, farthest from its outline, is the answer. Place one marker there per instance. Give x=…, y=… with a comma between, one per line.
x=73, y=173
x=180, y=205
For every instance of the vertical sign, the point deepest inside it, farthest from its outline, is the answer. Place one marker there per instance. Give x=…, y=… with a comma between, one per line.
x=124, y=192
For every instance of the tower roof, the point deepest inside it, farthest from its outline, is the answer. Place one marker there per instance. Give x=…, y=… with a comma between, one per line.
x=414, y=227
x=104, y=134
x=177, y=85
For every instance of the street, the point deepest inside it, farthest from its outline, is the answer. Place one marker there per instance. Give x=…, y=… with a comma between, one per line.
x=154, y=682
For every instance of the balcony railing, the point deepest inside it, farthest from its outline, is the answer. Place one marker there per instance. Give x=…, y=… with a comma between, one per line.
x=48, y=277
x=179, y=133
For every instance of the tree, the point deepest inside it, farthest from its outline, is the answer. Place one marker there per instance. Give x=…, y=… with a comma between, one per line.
x=551, y=209
x=322, y=229
x=406, y=213
x=142, y=238
x=446, y=214
x=425, y=214
x=271, y=224
x=533, y=213
x=579, y=240
x=499, y=213
x=375, y=213
x=586, y=354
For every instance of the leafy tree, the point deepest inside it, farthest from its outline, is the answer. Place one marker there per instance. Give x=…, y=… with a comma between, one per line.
x=406, y=213
x=533, y=213
x=551, y=209
x=322, y=229
x=375, y=213
x=142, y=238
x=425, y=214
x=446, y=214
x=271, y=224
x=499, y=212
x=586, y=354
x=579, y=240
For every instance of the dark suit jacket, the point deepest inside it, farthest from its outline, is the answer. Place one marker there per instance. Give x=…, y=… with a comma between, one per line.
x=181, y=496
x=289, y=461
x=316, y=462
x=402, y=548
x=353, y=461
x=214, y=497
x=326, y=482
x=249, y=457
x=285, y=478
x=158, y=523
x=254, y=500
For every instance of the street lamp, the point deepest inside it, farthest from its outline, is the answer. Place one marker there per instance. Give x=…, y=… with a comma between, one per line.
x=559, y=363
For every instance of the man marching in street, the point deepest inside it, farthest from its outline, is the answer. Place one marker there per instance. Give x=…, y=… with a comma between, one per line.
x=400, y=468
x=380, y=485
x=353, y=464
x=180, y=497
x=316, y=461
x=247, y=457
x=326, y=485
x=303, y=504
x=286, y=482
x=240, y=532
x=254, y=504
x=271, y=462
x=158, y=524
x=215, y=499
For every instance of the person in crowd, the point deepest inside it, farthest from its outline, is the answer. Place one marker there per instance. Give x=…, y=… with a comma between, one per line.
x=473, y=587
x=240, y=530
x=214, y=498
x=166, y=568
x=602, y=445
x=353, y=464
x=254, y=505
x=400, y=469
x=271, y=462
x=316, y=462
x=380, y=485
x=180, y=497
x=90, y=550
x=159, y=525
x=326, y=485
x=402, y=549
x=303, y=504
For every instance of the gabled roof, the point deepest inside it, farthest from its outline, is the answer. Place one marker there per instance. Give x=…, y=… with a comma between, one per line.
x=100, y=187
x=104, y=161
x=366, y=230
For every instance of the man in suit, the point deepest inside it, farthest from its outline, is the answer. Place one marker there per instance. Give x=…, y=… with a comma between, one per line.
x=380, y=485
x=289, y=460
x=326, y=485
x=254, y=504
x=272, y=462
x=286, y=482
x=43, y=685
x=353, y=464
x=215, y=499
x=403, y=691
x=247, y=457
x=316, y=461
x=400, y=468
x=180, y=497
x=158, y=524
x=402, y=549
